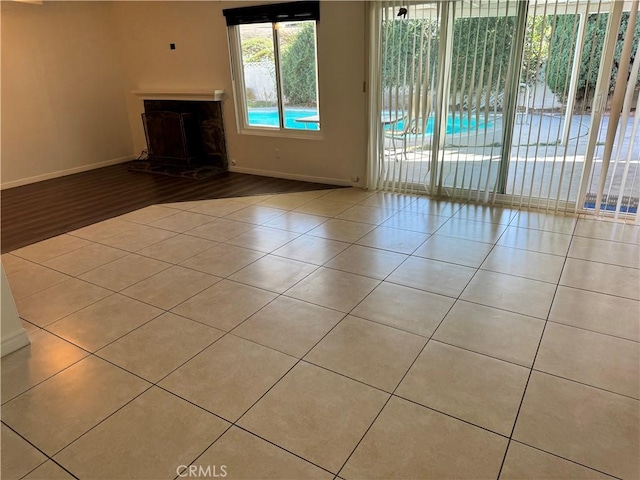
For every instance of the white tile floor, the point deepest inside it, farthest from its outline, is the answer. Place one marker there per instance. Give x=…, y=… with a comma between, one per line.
x=331, y=333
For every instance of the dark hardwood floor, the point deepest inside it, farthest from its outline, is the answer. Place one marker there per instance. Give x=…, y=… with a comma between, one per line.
x=38, y=211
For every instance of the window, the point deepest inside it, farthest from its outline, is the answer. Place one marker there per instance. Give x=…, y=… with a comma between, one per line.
x=274, y=64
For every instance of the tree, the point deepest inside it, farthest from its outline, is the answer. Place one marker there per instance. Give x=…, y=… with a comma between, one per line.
x=257, y=49
x=563, y=46
x=299, y=67
x=536, y=47
x=481, y=51
x=409, y=45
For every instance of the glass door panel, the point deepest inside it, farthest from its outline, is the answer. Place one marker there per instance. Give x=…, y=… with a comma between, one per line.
x=560, y=68
x=617, y=149
x=410, y=46
x=499, y=101
x=471, y=142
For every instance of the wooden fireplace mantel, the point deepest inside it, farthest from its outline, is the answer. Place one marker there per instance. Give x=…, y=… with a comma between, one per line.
x=180, y=94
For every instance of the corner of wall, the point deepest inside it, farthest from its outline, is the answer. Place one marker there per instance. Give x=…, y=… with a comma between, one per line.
x=13, y=334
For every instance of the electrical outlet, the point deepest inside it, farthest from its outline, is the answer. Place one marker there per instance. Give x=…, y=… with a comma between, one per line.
x=233, y=163
x=277, y=153
x=355, y=179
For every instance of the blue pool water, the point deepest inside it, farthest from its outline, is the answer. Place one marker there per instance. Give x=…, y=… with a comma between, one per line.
x=268, y=117
x=454, y=125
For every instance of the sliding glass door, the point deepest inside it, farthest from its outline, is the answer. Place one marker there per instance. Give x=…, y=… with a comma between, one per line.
x=527, y=103
x=550, y=157
x=481, y=49
x=410, y=78
x=613, y=185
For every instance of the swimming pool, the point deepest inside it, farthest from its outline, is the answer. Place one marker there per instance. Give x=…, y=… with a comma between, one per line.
x=268, y=117
x=454, y=125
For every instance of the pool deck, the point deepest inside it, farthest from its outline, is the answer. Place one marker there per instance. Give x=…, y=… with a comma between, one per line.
x=536, y=137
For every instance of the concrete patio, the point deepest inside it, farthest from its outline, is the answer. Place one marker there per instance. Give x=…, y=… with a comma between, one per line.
x=540, y=164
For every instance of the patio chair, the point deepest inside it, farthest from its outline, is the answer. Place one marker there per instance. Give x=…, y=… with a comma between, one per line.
x=414, y=129
x=409, y=125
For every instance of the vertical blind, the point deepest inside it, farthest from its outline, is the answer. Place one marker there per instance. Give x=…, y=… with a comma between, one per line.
x=409, y=64
x=506, y=101
x=615, y=185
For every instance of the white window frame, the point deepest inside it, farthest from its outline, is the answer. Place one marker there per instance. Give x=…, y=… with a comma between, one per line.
x=239, y=90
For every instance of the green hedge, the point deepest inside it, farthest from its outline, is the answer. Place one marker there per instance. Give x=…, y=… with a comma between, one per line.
x=549, y=46
x=491, y=37
x=299, y=68
x=298, y=62
x=560, y=63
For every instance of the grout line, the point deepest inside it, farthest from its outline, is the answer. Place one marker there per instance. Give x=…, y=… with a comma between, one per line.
x=344, y=375
x=299, y=360
x=32, y=445
x=283, y=448
x=204, y=451
x=404, y=330
x=161, y=313
x=168, y=265
x=595, y=331
x=235, y=423
x=149, y=387
x=586, y=384
x=600, y=262
x=510, y=362
x=502, y=309
x=401, y=379
x=533, y=362
x=563, y=458
x=13, y=252
x=596, y=291
x=6, y=402
x=392, y=393
x=253, y=285
x=47, y=457
x=442, y=412
x=55, y=462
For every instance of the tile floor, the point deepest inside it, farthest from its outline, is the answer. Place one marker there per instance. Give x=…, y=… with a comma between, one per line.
x=330, y=334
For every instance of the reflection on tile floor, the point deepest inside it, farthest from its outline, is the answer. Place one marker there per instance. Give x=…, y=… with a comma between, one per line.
x=338, y=332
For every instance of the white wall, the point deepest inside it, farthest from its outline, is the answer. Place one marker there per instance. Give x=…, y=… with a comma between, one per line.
x=68, y=69
x=63, y=106
x=12, y=334
x=201, y=61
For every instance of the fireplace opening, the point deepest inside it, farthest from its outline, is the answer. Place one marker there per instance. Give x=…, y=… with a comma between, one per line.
x=185, y=133
x=172, y=138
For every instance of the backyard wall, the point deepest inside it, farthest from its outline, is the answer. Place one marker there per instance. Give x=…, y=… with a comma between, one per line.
x=63, y=104
x=201, y=62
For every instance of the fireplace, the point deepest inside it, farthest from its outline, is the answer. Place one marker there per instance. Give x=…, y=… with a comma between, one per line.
x=172, y=137
x=185, y=132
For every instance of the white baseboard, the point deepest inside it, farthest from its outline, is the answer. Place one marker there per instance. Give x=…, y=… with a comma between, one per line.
x=291, y=176
x=62, y=173
x=14, y=342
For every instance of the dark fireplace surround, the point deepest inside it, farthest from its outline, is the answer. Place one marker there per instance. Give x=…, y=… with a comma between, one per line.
x=185, y=132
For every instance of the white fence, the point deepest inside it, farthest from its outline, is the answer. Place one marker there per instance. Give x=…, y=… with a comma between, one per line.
x=260, y=81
